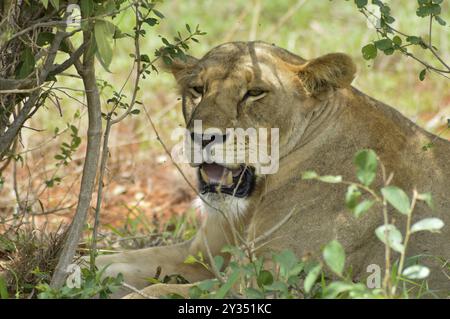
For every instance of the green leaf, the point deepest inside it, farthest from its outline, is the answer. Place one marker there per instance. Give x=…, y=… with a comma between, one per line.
x=330, y=179
x=264, y=278
x=397, y=40
x=334, y=256
x=287, y=261
x=423, y=11
x=427, y=198
x=55, y=4
x=104, y=32
x=190, y=260
x=309, y=175
x=336, y=288
x=431, y=224
x=277, y=286
x=26, y=65
x=221, y=293
x=422, y=74
x=45, y=4
x=87, y=8
x=414, y=39
x=218, y=262
x=361, y=3
x=416, y=272
x=369, y=51
x=366, y=166
x=363, y=207
x=206, y=285
x=311, y=278
x=151, y=21
x=383, y=44
x=397, y=198
x=3, y=289
x=158, y=14
x=391, y=236
x=441, y=21
x=435, y=9
x=253, y=293
x=44, y=38
x=352, y=196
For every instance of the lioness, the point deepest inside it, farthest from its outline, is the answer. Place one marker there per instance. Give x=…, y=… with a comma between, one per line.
x=322, y=122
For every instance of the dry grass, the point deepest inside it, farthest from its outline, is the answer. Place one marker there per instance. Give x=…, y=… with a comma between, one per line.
x=31, y=258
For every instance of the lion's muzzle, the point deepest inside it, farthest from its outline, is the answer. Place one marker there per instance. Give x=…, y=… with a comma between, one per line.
x=215, y=178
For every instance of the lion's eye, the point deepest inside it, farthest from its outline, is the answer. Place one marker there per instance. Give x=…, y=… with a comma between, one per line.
x=198, y=89
x=255, y=92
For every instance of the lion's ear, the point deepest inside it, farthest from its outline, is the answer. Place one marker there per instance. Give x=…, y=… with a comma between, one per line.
x=180, y=68
x=334, y=70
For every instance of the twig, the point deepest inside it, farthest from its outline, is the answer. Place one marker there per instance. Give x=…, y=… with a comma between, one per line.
x=236, y=25
x=407, y=235
x=214, y=269
x=140, y=293
x=110, y=122
x=255, y=19
x=274, y=228
x=285, y=18
x=429, y=46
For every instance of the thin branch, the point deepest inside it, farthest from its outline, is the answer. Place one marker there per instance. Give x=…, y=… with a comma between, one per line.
x=21, y=91
x=135, y=290
x=70, y=61
x=277, y=226
x=285, y=18
x=63, y=22
x=110, y=122
x=429, y=46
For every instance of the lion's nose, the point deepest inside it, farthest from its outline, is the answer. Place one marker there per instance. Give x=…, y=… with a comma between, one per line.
x=205, y=139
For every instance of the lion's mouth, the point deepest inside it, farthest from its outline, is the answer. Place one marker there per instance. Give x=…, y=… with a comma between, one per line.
x=216, y=178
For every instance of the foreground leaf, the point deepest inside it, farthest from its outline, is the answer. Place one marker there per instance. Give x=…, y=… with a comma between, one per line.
x=104, y=31
x=222, y=292
x=311, y=278
x=397, y=198
x=363, y=207
x=416, y=272
x=366, y=166
x=334, y=256
x=431, y=224
x=391, y=236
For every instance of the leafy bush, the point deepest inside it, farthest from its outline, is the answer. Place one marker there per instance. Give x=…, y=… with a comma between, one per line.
x=286, y=276
x=93, y=284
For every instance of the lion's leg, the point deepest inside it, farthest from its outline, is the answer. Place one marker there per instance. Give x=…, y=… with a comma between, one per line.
x=139, y=265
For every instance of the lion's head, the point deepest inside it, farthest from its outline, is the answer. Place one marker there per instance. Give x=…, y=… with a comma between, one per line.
x=255, y=85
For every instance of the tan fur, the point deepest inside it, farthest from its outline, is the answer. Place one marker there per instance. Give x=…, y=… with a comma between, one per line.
x=323, y=121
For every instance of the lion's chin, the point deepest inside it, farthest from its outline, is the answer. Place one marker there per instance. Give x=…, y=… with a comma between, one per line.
x=236, y=182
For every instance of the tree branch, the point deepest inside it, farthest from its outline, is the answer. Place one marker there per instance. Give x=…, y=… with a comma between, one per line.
x=8, y=137
x=89, y=169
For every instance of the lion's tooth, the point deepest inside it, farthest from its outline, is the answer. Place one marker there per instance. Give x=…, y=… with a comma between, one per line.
x=228, y=178
x=204, y=175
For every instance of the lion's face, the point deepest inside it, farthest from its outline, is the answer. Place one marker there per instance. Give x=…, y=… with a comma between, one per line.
x=251, y=86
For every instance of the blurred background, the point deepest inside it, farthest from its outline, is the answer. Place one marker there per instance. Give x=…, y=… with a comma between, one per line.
x=143, y=190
